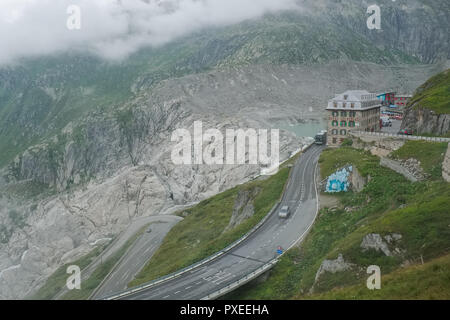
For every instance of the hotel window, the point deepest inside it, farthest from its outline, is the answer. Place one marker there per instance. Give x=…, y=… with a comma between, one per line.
x=335, y=113
x=343, y=123
x=335, y=104
x=343, y=114
x=344, y=105
x=334, y=140
x=351, y=124
x=334, y=123
x=343, y=132
x=352, y=113
x=334, y=132
x=352, y=105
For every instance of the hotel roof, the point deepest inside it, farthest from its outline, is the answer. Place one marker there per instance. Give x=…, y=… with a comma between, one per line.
x=360, y=99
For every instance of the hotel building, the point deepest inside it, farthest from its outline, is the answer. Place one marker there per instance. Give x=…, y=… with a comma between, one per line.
x=352, y=110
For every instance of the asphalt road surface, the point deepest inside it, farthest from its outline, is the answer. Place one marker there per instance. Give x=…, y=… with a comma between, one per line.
x=258, y=249
x=396, y=124
x=138, y=255
x=132, y=229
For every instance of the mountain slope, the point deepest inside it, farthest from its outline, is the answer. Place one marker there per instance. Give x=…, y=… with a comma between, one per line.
x=40, y=97
x=428, y=112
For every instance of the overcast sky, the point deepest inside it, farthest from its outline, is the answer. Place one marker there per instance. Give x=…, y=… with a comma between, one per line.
x=114, y=28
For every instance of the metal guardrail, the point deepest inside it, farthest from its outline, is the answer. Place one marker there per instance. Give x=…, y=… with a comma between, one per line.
x=202, y=262
x=63, y=291
x=401, y=136
x=236, y=284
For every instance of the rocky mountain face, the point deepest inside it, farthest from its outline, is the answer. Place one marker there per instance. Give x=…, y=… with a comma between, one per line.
x=101, y=172
x=426, y=121
x=86, y=145
x=413, y=27
x=428, y=112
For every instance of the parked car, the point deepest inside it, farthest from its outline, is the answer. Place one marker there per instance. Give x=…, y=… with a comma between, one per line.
x=284, y=212
x=385, y=122
x=406, y=132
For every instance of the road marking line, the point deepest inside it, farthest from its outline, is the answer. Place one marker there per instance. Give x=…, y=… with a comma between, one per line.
x=227, y=277
x=166, y=297
x=177, y=292
x=187, y=288
x=317, y=208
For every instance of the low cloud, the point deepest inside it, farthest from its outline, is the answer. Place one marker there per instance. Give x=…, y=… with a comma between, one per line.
x=113, y=29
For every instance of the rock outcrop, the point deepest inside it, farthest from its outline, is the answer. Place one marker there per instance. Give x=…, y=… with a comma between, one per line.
x=243, y=207
x=426, y=121
x=428, y=111
x=446, y=165
x=357, y=180
x=409, y=170
x=376, y=242
x=332, y=266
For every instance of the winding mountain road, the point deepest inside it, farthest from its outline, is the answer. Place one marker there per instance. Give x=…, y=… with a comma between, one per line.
x=255, y=251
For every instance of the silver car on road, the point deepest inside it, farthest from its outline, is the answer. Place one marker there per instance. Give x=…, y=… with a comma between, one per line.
x=284, y=212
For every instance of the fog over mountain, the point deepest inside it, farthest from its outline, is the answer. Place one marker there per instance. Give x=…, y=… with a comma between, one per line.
x=113, y=28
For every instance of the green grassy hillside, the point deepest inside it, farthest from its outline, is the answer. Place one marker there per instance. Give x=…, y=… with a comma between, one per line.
x=389, y=204
x=203, y=231
x=431, y=155
x=434, y=94
x=429, y=281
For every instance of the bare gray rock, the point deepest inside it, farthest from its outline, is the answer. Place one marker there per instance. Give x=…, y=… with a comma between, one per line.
x=358, y=182
x=243, y=207
x=423, y=120
x=376, y=242
x=333, y=266
x=446, y=165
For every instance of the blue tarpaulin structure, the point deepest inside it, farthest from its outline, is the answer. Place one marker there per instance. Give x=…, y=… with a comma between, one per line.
x=338, y=181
